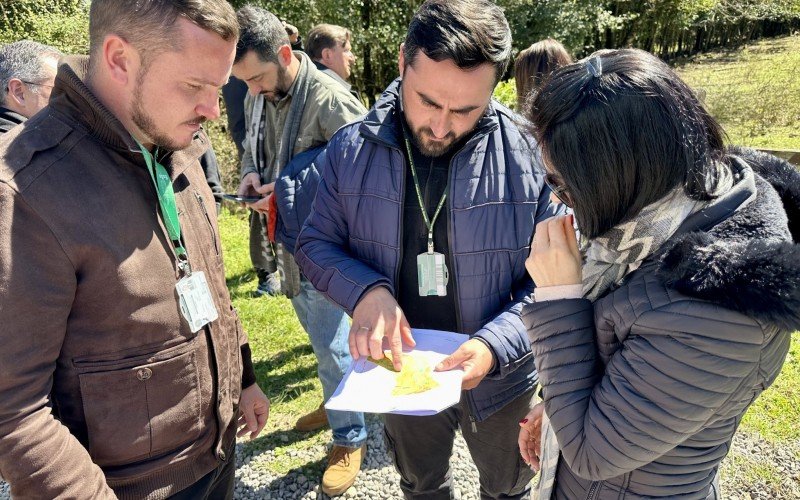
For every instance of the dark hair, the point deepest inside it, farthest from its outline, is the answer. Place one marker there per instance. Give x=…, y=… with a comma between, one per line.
x=534, y=64
x=622, y=129
x=468, y=32
x=25, y=60
x=150, y=25
x=325, y=36
x=262, y=32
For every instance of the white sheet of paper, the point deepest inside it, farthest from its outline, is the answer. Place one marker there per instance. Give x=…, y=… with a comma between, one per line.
x=367, y=387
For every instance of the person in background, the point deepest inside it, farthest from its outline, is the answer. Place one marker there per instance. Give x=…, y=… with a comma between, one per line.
x=27, y=76
x=115, y=311
x=439, y=173
x=210, y=166
x=329, y=46
x=654, y=336
x=534, y=64
x=293, y=108
x=233, y=93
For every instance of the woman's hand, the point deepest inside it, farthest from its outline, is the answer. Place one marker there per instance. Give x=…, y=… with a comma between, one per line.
x=530, y=437
x=555, y=259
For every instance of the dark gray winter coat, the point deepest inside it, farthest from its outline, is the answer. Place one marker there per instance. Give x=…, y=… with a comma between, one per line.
x=646, y=387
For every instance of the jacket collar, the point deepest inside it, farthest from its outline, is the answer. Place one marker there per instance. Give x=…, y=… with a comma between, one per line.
x=740, y=251
x=380, y=123
x=73, y=98
x=331, y=73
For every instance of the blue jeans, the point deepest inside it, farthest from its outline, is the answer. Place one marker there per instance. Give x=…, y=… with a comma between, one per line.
x=328, y=328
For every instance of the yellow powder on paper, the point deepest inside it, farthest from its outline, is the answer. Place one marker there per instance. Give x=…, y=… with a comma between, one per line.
x=416, y=375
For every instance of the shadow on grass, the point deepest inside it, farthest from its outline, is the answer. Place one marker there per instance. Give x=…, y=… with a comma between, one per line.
x=277, y=439
x=236, y=281
x=289, y=385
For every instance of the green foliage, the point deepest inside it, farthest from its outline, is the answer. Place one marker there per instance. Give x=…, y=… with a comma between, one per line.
x=506, y=93
x=665, y=27
x=63, y=24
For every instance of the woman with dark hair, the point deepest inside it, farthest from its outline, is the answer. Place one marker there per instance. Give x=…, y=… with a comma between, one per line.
x=655, y=335
x=535, y=63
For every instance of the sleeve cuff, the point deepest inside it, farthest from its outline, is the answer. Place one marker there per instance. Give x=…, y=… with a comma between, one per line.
x=246, y=171
x=558, y=292
x=494, y=370
x=248, y=372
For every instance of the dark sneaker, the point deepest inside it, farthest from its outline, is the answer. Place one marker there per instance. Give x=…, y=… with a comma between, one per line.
x=270, y=285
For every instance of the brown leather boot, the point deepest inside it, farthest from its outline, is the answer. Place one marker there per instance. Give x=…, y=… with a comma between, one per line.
x=343, y=466
x=317, y=419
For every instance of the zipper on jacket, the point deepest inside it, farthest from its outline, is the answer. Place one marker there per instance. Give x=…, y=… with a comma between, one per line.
x=471, y=406
x=593, y=490
x=199, y=198
x=451, y=182
x=472, y=422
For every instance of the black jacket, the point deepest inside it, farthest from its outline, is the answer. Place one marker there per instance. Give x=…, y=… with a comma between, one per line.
x=646, y=386
x=9, y=119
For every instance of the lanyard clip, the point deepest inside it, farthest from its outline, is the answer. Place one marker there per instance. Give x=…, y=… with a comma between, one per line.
x=184, y=266
x=430, y=242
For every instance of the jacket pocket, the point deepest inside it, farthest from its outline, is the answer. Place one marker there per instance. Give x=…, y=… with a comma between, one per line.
x=143, y=410
x=209, y=224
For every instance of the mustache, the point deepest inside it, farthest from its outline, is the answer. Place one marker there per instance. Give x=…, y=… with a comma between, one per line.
x=427, y=131
x=197, y=121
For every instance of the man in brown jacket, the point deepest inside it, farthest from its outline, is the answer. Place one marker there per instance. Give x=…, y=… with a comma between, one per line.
x=114, y=310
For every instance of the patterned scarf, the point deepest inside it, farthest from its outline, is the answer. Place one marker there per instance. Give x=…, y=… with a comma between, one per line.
x=622, y=249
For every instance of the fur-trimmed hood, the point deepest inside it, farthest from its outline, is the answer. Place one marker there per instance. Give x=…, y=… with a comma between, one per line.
x=749, y=261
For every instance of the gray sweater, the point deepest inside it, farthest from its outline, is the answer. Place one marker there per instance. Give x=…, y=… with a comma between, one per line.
x=646, y=387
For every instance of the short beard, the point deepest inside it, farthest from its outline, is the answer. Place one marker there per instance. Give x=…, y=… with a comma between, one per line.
x=433, y=150
x=282, y=86
x=144, y=120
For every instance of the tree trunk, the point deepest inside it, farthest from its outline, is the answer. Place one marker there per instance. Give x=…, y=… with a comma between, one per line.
x=369, y=78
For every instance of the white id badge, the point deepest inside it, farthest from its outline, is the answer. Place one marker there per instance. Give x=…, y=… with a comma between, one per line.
x=195, y=299
x=432, y=274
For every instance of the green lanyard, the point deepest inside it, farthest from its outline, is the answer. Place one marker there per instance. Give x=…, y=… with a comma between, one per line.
x=166, y=201
x=428, y=222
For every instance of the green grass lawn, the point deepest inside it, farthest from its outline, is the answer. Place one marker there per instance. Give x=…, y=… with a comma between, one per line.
x=754, y=91
x=283, y=359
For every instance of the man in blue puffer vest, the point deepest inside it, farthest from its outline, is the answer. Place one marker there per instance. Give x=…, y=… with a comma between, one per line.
x=437, y=175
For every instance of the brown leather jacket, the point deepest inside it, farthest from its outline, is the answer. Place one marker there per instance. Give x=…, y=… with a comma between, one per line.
x=89, y=317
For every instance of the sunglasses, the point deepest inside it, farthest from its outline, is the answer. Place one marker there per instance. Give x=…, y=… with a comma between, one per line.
x=558, y=188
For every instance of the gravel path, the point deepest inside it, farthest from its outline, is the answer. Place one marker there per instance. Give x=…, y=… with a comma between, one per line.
x=754, y=470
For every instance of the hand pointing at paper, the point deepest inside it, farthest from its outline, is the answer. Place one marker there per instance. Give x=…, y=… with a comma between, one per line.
x=378, y=316
x=474, y=357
